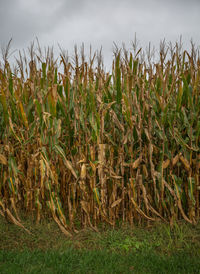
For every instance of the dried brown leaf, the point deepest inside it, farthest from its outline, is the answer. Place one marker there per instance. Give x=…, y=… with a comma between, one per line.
x=3, y=159
x=116, y=203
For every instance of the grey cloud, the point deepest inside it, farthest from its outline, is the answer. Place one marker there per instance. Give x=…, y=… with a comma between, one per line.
x=23, y=20
x=97, y=22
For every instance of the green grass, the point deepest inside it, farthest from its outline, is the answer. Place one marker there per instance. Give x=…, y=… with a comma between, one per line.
x=97, y=261
x=156, y=249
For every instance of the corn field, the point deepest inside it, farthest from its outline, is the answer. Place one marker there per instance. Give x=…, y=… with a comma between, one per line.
x=86, y=146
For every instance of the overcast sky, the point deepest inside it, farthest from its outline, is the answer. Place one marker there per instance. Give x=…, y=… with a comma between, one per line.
x=98, y=22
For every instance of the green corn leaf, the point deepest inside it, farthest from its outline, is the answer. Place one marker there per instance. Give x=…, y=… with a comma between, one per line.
x=118, y=79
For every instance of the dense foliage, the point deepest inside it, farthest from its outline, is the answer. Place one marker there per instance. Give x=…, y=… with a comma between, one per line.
x=82, y=144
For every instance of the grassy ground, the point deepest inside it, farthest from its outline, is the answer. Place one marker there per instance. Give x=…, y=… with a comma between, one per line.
x=156, y=249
